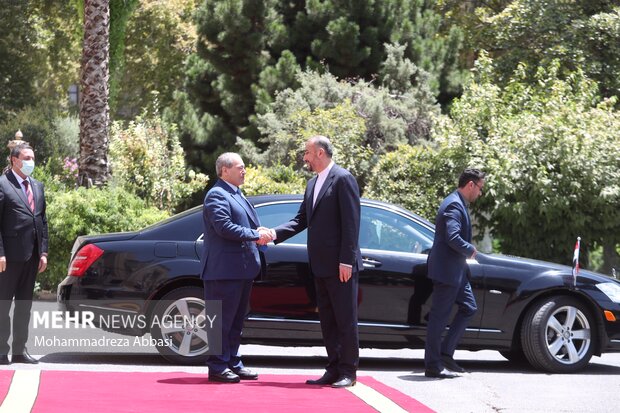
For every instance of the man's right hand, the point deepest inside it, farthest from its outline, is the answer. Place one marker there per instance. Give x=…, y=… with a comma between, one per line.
x=265, y=236
x=2, y=264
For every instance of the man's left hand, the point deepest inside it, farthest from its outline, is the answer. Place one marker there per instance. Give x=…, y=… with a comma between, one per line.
x=345, y=273
x=42, y=263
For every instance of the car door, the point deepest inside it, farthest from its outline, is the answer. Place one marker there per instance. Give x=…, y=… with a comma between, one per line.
x=286, y=288
x=393, y=285
x=395, y=292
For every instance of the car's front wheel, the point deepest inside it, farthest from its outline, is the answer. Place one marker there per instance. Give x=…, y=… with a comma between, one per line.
x=558, y=335
x=177, y=326
x=515, y=356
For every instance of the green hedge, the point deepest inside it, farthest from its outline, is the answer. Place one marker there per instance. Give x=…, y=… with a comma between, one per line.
x=277, y=179
x=82, y=211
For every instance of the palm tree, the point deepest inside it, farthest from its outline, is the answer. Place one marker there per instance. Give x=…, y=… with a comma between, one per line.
x=94, y=109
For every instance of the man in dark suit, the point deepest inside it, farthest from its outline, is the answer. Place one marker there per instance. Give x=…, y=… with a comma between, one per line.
x=23, y=250
x=447, y=268
x=230, y=262
x=331, y=212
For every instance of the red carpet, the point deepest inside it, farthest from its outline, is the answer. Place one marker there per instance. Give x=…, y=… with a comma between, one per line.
x=5, y=382
x=103, y=392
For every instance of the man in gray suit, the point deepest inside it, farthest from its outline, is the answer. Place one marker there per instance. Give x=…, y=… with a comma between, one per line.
x=447, y=268
x=23, y=249
x=230, y=262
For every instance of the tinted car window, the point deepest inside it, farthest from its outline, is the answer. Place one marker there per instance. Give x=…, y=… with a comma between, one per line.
x=186, y=226
x=379, y=229
x=386, y=230
x=275, y=214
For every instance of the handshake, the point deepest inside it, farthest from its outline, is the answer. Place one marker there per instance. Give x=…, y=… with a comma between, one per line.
x=265, y=235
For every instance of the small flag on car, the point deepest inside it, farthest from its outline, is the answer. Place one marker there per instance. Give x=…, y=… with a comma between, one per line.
x=576, y=261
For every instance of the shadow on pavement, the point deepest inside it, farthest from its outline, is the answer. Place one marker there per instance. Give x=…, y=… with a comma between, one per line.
x=415, y=365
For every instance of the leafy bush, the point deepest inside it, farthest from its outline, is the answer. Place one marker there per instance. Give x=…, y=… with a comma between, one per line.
x=325, y=105
x=57, y=174
x=416, y=177
x=340, y=123
x=277, y=179
x=85, y=212
x=147, y=159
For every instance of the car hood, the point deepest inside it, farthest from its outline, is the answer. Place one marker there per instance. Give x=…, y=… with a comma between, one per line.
x=513, y=261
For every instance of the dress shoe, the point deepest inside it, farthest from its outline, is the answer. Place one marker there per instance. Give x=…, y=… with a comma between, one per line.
x=246, y=374
x=226, y=376
x=344, y=381
x=450, y=364
x=440, y=374
x=24, y=357
x=324, y=380
x=4, y=359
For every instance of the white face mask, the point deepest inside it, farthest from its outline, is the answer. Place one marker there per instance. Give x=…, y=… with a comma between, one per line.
x=27, y=167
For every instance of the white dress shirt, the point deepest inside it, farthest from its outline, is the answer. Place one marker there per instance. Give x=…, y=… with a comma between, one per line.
x=320, y=180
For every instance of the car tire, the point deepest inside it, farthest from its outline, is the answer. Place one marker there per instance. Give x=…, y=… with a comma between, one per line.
x=514, y=356
x=184, y=343
x=558, y=335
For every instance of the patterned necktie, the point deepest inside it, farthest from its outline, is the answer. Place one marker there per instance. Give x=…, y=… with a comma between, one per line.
x=29, y=195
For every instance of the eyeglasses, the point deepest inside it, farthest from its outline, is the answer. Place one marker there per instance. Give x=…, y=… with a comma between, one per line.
x=479, y=187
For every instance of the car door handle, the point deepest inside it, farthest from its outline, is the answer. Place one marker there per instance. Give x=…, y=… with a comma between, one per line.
x=370, y=263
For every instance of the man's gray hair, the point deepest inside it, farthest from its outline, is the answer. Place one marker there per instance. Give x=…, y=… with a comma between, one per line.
x=323, y=142
x=225, y=160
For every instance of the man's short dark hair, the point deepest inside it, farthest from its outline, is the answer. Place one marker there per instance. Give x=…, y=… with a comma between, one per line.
x=470, y=174
x=17, y=150
x=323, y=142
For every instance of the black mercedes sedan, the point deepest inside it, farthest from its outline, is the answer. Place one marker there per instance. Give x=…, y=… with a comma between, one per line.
x=528, y=310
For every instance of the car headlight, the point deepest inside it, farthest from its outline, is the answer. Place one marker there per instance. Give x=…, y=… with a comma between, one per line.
x=611, y=290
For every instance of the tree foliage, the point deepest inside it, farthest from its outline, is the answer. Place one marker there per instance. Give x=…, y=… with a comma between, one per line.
x=16, y=85
x=362, y=120
x=248, y=51
x=120, y=11
x=232, y=36
x=349, y=37
x=581, y=34
x=341, y=124
x=38, y=49
x=49, y=132
x=277, y=179
x=416, y=177
x=147, y=160
x=159, y=38
x=553, y=155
